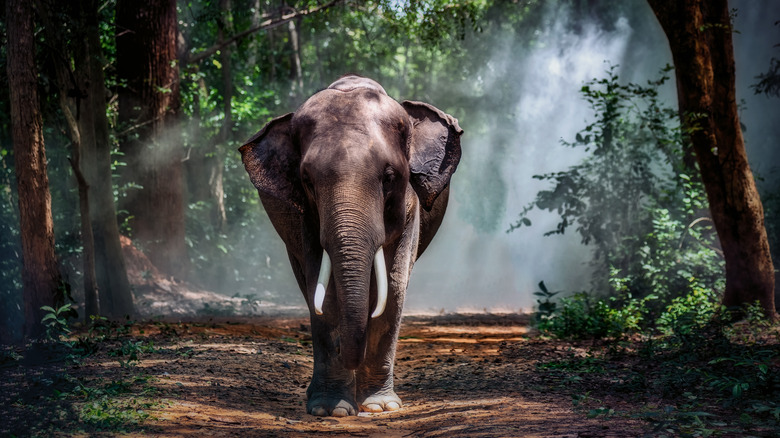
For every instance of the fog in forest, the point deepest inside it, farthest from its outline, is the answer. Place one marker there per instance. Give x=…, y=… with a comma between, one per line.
x=473, y=264
x=472, y=269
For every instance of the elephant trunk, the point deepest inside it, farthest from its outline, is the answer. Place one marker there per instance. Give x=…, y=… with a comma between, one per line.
x=352, y=244
x=352, y=273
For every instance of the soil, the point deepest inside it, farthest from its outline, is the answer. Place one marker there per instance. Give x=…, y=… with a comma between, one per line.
x=458, y=375
x=482, y=375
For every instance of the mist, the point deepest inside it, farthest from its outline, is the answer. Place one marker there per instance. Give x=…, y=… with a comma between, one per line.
x=472, y=268
x=473, y=265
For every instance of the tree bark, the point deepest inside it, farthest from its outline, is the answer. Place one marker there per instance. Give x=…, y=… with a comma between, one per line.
x=149, y=102
x=297, y=72
x=83, y=101
x=40, y=274
x=699, y=34
x=216, y=191
x=91, y=304
x=111, y=272
x=254, y=49
x=71, y=92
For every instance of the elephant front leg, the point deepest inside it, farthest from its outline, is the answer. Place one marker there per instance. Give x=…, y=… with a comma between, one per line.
x=375, y=389
x=332, y=387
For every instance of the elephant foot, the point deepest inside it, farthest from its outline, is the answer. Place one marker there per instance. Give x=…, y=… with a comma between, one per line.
x=381, y=402
x=324, y=405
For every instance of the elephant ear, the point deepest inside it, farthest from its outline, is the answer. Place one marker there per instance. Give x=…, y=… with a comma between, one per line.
x=434, y=150
x=273, y=163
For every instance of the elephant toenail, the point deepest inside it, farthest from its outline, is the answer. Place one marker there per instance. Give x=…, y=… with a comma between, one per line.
x=319, y=411
x=392, y=406
x=372, y=407
x=340, y=412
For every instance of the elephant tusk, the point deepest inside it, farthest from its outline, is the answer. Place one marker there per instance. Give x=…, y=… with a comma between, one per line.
x=322, y=283
x=381, y=282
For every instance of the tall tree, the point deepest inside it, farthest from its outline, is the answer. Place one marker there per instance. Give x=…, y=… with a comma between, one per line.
x=699, y=34
x=147, y=68
x=40, y=274
x=114, y=286
x=78, y=64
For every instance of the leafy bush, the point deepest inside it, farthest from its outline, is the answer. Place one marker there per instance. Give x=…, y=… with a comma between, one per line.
x=634, y=200
x=685, y=314
x=583, y=316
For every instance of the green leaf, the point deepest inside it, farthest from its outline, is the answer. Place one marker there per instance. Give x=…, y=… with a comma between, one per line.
x=543, y=287
x=48, y=309
x=64, y=308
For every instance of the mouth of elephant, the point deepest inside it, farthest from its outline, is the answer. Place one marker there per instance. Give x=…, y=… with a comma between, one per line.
x=380, y=271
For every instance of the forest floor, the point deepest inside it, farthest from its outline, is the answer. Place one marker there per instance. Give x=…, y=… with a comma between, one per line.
x=458, y=375
x=202, y=371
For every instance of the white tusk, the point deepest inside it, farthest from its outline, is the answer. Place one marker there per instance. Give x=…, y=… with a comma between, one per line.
x=381, y=283
x=322, y=283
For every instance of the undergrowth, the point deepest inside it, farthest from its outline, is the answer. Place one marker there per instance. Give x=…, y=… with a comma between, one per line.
x=695, y=368
x=119, y=403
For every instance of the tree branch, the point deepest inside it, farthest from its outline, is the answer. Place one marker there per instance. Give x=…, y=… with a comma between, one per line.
x=268, y=24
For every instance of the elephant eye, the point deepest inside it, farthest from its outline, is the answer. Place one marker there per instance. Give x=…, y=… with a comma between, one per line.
x=388, y=179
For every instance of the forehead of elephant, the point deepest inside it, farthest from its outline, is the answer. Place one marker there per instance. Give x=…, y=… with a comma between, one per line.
x=352, y=127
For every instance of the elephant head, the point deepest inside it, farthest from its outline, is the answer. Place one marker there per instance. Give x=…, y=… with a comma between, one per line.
x=340, y=166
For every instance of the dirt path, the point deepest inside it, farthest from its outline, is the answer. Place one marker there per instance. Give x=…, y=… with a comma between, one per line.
x=457, y=376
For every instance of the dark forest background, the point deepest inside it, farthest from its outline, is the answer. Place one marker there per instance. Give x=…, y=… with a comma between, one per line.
x=144, y=106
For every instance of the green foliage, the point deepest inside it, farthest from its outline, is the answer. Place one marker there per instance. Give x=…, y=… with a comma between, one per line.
x=116, y=404
x=633, y=199
x=583, y=316
x=686, y=314
x=701, y=373
x=544, y=309
x=56, y=321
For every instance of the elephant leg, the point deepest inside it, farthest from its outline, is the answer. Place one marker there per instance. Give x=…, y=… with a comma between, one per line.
x=332, y=387
x=375, y=388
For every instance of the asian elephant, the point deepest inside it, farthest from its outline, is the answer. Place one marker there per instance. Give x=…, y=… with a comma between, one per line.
x=356, y=184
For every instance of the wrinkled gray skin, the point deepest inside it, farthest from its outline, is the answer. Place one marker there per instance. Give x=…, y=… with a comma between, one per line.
x=351, y=171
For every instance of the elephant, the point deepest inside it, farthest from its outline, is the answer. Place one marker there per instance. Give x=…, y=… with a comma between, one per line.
x=356, y=184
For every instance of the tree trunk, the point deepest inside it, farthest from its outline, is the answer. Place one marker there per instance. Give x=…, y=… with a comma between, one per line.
x=216, y=191
x=40, y=274
x=699, y=33
x=272, y=55
x=297, y=72
x=77, y=113
x=83, y=101
x=148, y=110
x=91, y=305
x=111, y=272
x=254, y=49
